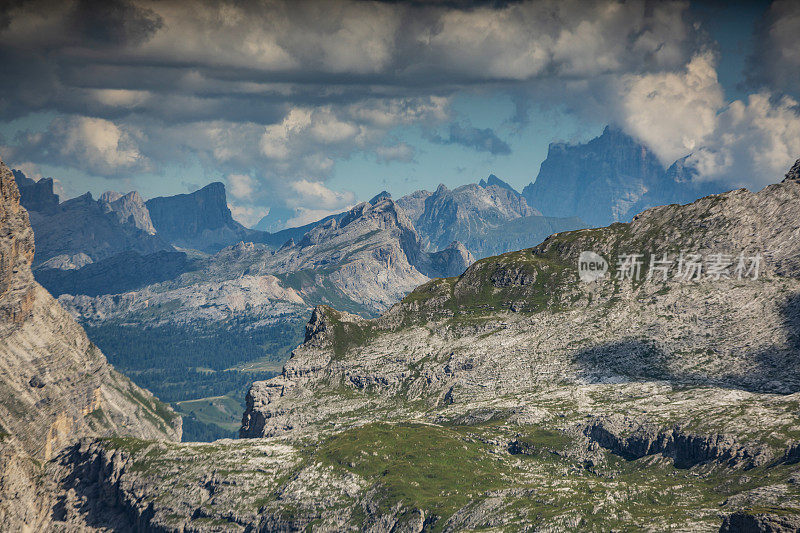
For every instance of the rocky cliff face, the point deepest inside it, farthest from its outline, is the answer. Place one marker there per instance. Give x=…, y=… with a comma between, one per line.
x=199, y=220
x=609, y=179
x=55, y=385
x=129, y=209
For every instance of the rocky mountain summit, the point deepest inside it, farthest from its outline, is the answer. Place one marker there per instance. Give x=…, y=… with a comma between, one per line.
x=56, y=386
x=516, y=396
x=610, y=179
x=129, y=209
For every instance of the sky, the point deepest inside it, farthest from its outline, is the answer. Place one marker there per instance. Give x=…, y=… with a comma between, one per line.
x=304, y=108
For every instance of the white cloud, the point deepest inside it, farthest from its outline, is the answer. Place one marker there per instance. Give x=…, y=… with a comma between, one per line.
x=314, y=193
x=248, y=215
x=94, y=145
x=398, y=152
x=308, y=141
x=672, y=112
x=241, y=186
x=742, y=143
x=754, y=143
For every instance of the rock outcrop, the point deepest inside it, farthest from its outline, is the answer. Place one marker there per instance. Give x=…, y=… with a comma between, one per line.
x=56, y=386
x=761, y=522
x=633, y=439
x=794, y=172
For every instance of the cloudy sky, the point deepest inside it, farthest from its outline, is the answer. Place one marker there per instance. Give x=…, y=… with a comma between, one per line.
x=306, y=107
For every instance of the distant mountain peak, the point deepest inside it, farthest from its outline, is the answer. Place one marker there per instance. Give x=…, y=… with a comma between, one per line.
x=494, y=180
x=200, y=219
x=380, y=196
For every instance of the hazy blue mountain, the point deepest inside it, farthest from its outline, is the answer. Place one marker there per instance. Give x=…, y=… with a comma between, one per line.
x=36, y=195
x=609, y=179
x=465, y=213
x=200, y=220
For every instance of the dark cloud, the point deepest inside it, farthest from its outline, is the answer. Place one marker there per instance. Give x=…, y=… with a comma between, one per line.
x=282, y=90
x=480, y=139
x=114, y=22
x=775, y=61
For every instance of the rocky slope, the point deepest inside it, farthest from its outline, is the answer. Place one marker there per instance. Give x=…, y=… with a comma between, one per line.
x=609, y=179
x=517, y=397
x=55, y=385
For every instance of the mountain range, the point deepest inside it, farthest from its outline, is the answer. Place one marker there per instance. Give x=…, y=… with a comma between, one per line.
x=512, y=396
x=191, y=304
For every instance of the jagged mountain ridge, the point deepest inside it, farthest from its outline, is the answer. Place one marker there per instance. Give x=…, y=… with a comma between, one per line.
x=56, y=386
x=488, y=218
x=366, y=261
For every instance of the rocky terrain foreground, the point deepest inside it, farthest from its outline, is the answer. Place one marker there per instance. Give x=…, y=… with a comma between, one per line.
x=55, y=388
x=516, y=397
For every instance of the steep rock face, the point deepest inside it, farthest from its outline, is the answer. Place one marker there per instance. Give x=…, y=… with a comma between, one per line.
x=794, y=172
x=467, y=212
x=198, y=220
x=129, y=209
x=609, y=179
x=36, y=195
x=55, y=385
